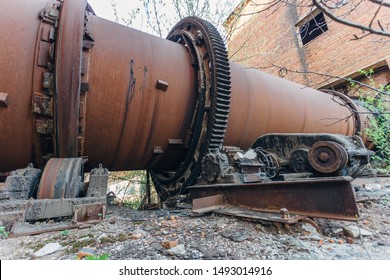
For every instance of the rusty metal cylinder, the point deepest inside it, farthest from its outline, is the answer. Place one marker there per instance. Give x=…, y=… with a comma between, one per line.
x=263, y=103
x=140, y=99
x=74, y=84
x=19, y=28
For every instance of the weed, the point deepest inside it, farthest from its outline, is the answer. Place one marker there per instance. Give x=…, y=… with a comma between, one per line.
x=97, y=258
x=75, y=246
x=113, y=239
x=385, y=201
x=379, y=130
x=3, y=232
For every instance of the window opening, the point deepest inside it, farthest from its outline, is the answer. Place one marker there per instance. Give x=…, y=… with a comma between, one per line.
x=313, y=28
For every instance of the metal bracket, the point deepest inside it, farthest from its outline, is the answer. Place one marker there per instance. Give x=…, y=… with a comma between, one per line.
x=89, y=213
x=3, y=99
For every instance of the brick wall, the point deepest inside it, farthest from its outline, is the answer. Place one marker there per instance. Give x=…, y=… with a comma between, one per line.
x=268, y=39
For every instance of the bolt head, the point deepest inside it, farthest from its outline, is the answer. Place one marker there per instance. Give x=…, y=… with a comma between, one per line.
x=323, y=156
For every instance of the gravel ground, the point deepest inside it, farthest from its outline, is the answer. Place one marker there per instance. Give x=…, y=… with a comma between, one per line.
x=177, y=234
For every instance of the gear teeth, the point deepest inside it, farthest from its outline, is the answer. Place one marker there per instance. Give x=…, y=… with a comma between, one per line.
x=186, y=174
x=221, y=87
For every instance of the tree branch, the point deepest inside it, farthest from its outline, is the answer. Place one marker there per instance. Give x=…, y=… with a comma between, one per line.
x=330, y=76
x=381, y=2
x=348, y=23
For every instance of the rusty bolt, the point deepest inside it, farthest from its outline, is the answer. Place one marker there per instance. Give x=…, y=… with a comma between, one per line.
x=323, y=156
x=199, y=38
x=162, y=85
x=285, y=214
x=3, y=99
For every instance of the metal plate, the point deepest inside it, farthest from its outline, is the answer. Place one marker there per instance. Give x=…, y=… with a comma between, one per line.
x=89, y=213
x=331, y=198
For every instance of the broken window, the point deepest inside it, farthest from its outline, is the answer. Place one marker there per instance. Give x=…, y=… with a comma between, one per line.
x=313, y=28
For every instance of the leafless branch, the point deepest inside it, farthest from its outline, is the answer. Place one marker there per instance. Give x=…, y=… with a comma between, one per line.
x=331, y=76
x=374, y=17
x=349, y=23
x=381, y=2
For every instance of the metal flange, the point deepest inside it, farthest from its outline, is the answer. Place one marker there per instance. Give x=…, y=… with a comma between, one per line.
x=327, y=157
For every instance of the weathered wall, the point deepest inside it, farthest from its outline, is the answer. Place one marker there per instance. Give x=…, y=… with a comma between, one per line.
x=267, y=38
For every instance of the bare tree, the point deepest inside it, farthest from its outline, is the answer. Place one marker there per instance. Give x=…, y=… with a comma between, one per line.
x=160, y=16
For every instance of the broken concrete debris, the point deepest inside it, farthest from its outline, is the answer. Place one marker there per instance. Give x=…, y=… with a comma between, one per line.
x=84, y=252
x=178, y=250
x=355, y=231
x=48, y=249
x=169, y=244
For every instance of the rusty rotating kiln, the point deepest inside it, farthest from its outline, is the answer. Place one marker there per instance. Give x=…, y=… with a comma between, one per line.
x=75, y=85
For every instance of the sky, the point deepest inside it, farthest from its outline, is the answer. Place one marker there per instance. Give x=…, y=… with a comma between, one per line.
x=104, y=9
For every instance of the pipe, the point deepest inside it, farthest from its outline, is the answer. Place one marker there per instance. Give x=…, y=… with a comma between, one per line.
x=79, y=85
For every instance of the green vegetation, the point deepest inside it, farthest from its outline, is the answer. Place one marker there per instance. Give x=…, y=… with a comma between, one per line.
x=75, y=246
x=97, y=258
x=65, y=232
x=3, y=232
x=131, y=189
x=378, y=103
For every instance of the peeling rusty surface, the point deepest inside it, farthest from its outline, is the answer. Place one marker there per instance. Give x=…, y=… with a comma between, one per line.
x=68, y=77
x=262, y=103
x=327, y=157
x=208, y=203
x=89, y=213
x=42, y=104
x=258, y=215
x=108, y=108
x=331, y=198
x=44, y=126
x=43, y=51
x=61, y=178
x=218, y=204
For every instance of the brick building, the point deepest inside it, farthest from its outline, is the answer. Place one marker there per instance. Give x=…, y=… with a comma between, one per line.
x=293, y=40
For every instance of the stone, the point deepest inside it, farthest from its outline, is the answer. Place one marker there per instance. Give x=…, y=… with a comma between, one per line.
x=220, y=225
x=169, y=244
x=178, y=250
x=364, y=232
x=355, y=232
x=48, y=249
x=351, y=231
x=196, y=255
x=349, y=240
x=309, y=228
x=148, y=228
x=311, y=237
x=136, y=236
x=236, y=236
x=292, y=242
x=103, y=235
x=150, y=253
x=337, y=231
x=372, y=186
x=208, y=252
